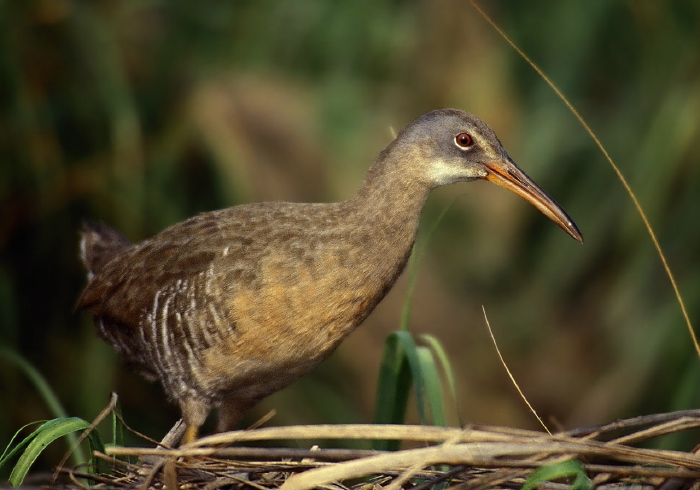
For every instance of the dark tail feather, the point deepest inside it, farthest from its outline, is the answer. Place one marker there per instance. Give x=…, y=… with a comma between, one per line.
x=99, y=244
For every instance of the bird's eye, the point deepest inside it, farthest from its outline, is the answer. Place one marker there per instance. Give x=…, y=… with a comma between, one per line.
x=464, y=140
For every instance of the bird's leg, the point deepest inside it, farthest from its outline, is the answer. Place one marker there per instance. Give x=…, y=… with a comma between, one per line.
x=194, y=413
x=231, y=412
x=190, y=434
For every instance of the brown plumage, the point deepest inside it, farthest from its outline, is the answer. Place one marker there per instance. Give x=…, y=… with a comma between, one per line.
x=230, y=306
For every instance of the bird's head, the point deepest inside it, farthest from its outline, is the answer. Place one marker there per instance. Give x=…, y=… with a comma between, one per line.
x=449, y=145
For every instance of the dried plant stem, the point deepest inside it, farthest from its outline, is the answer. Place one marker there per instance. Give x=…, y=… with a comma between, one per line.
x=510, y=375
x=620, y=176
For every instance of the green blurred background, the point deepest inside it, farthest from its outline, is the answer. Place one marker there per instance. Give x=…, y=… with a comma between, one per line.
x=143, y=113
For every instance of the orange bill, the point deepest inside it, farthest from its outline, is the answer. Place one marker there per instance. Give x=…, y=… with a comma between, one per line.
x=507, y=174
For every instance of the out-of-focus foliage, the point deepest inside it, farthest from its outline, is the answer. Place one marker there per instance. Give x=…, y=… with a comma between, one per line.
x=144, y=113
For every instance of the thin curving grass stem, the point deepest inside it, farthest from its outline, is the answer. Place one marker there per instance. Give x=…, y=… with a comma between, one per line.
x=621, y=177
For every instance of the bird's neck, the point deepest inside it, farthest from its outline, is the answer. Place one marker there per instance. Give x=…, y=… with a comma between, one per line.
x=387, y=210
x=389, y=195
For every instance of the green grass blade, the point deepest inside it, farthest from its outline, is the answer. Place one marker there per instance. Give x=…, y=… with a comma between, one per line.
x=96, y=444
x=432, y=385
x=411, y=352
x=400, y=353
x=117, y=427
x=39, y=439
x=50, y=398
x=565, y=469
x=393, y=388
x=118, y=431
x=37, y=380
x=393, y=384
x=404, y=362
x=7, y=454
x=446, y=367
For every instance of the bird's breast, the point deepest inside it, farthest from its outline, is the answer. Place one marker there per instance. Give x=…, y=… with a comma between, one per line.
x=303, y=309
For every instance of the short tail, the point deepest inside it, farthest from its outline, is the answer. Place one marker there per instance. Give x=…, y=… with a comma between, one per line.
x=99, y=244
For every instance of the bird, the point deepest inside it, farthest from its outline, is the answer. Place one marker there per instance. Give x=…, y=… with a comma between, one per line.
x=232, y=305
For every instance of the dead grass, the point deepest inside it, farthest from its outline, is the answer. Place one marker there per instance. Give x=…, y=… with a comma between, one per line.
x=471, y=458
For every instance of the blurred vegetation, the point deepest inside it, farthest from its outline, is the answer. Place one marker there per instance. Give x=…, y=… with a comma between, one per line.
x=141, y=114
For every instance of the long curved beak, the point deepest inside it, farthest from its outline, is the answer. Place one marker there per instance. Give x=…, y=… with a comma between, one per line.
x=507, y=174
